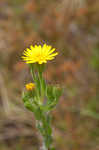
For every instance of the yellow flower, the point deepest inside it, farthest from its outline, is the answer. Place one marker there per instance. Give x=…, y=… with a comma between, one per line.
x=39, y=54
x=30, y=86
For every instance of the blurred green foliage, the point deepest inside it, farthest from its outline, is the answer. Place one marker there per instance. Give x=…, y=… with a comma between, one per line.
x=95, y=58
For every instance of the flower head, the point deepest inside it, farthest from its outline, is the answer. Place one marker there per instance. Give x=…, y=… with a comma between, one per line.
x=39, y=54
x=30, y=86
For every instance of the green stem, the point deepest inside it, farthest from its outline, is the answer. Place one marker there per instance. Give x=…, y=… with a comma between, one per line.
x=35, y=80
x=44, y=127
x=43, y=123
x=33, y=74
x=41, y=85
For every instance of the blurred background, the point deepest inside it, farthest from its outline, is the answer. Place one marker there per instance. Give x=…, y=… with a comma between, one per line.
x=72, y=26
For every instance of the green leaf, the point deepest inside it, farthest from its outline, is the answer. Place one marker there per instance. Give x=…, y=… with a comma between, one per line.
x=49, y=93
x=27, y=95
x=57, y=92
x=29, y=106
x=53, y=93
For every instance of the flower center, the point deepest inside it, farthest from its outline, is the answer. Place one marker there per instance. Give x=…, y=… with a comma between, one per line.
x=40, y=57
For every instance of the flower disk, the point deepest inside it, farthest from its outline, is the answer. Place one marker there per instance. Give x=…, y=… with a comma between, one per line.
x=39, y=54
